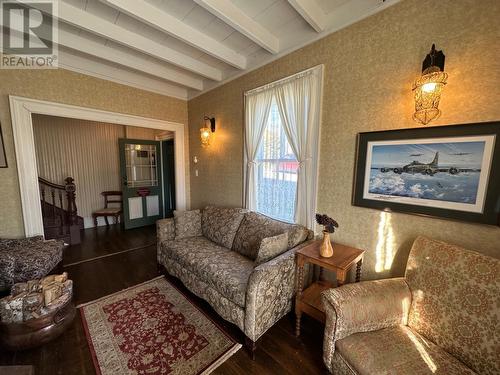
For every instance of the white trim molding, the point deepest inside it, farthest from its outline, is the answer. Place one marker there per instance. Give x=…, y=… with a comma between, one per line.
x=21, y=110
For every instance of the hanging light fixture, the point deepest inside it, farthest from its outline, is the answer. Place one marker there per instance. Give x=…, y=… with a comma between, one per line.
x=427, y=88
x=206, y=132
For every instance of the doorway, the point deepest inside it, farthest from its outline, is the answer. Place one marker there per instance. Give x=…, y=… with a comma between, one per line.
x=168, y=156
x=21, y=111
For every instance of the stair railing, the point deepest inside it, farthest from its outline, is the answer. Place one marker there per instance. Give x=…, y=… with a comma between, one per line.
x=59, y=205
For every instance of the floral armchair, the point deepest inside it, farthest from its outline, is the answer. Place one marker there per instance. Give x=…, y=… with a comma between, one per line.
x=443, y=317
x=27, y=258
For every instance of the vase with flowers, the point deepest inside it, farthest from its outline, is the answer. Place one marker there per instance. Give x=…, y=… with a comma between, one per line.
x=329, y=225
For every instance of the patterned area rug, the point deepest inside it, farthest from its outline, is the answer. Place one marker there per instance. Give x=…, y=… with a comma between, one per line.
x=151, y=328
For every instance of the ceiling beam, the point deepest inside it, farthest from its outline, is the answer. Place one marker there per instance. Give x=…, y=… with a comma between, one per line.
x=82, y=65
x=128, y=60
x=164, y=22
x=96, y=25
x=311, y=12
x=233, y=16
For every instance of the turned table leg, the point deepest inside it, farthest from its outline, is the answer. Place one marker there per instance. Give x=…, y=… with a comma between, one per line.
x=300, y=285
x=358, y=270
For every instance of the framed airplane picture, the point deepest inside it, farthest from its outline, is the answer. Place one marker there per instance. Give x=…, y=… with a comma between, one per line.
x=451, y=172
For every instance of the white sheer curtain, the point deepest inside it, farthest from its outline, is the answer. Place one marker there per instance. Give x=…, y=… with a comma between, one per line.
x=299, y=105
x=298, y=99
x=257, y=105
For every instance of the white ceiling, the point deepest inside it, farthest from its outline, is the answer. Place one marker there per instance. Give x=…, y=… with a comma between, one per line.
x=182, y=48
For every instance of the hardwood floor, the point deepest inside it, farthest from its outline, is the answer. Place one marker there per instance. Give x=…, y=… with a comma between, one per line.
x=279, y=351
x=105, y=241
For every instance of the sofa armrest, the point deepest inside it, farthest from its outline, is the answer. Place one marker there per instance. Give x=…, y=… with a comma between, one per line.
x=363, y=307
x=270, y=290
x=165, y=231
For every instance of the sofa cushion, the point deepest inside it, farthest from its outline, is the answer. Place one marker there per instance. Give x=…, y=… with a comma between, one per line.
x=187, y=224
x=224, y=270
x=225, y=308
x=255, y=227
x=271, y=247
x=397, y=350
x=456, y=301
x=220, y=224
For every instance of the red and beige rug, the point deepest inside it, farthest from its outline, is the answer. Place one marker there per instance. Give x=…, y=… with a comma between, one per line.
x=152, y=328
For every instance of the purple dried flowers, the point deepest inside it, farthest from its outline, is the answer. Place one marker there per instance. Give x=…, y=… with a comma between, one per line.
x=327, y=222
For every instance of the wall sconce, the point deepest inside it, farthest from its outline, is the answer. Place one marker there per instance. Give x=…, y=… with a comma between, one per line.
x=206, y=133
x=427, y=88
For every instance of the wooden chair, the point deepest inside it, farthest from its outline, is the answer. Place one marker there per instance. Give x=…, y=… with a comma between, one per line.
x=109, y=211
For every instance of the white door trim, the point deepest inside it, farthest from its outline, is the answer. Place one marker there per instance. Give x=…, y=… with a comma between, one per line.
x=21, y=110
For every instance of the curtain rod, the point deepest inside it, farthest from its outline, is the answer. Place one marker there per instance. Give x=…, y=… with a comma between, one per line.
x=283, y=80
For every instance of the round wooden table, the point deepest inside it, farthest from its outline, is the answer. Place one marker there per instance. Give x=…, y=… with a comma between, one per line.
x=36, y=332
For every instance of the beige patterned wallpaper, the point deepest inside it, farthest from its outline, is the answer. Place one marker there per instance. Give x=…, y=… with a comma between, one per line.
x=86, y=151
x=77, y=89
x=369, y=69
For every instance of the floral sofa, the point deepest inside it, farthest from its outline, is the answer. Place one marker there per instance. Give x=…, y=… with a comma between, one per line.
x=241, y=262
x=27, y=259
x=443, y=317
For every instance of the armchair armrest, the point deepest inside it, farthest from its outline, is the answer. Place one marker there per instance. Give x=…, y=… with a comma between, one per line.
x=165, y=231
x=363, y=307
x=15, y=242
x=270, y=291
x=7, y=270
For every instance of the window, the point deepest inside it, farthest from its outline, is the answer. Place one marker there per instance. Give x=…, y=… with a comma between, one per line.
x=276, y=170
x=281, y=147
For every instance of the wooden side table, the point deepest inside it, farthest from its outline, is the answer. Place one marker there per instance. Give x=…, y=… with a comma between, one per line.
x=309, y=301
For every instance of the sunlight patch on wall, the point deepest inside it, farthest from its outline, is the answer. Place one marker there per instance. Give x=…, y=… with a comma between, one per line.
x=384, y=251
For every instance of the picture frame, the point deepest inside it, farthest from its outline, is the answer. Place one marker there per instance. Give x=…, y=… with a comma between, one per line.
x=450, y=172
x=3, y=155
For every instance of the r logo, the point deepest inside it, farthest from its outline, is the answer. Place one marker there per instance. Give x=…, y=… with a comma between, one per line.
x=29, y=34
x=35, y=25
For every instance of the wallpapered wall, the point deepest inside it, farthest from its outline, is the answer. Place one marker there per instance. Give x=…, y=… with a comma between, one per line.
x=85, y=150
x=77, y=89
x=369, y=69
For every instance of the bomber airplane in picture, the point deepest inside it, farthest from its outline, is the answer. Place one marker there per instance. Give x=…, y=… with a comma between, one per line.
x=426, y=168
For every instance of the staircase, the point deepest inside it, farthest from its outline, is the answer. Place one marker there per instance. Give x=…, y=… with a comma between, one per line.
x=60, y=218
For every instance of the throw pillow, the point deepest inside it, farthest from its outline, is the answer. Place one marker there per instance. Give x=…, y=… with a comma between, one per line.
x=255, y=227
x=219, y=224
x=187, y=223
x=271, y=247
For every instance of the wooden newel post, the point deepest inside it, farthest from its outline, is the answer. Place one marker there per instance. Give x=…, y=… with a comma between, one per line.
x=74, y=228
x=70, y=194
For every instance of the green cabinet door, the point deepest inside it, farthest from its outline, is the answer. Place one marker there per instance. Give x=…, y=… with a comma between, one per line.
x=140, y=168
